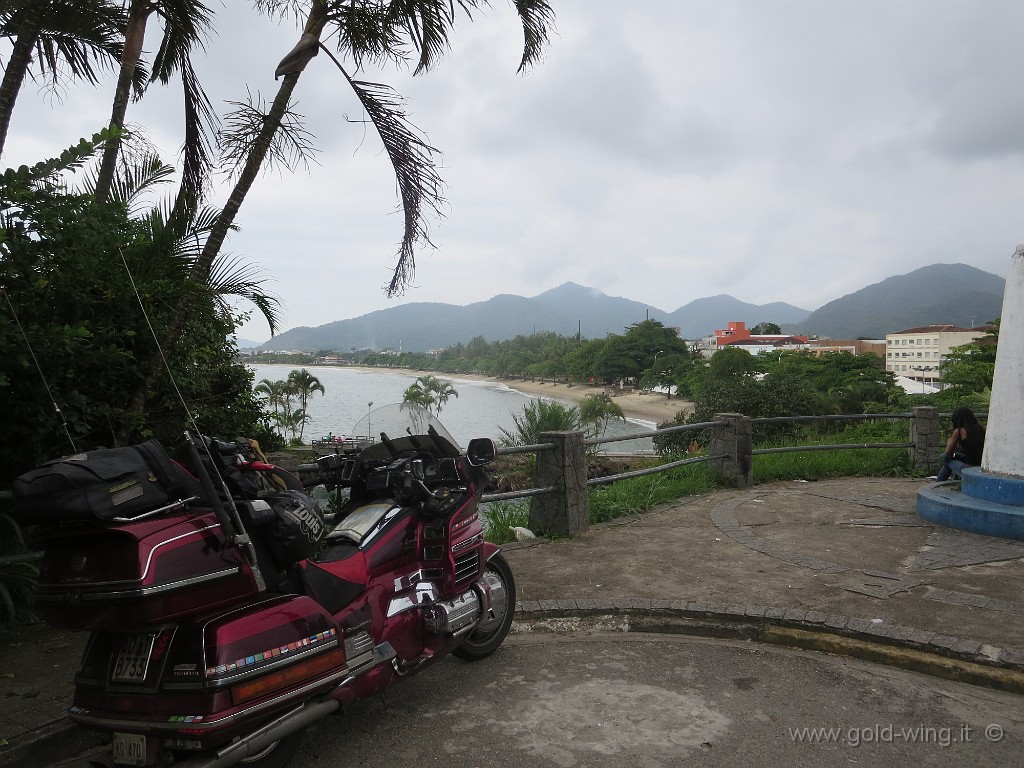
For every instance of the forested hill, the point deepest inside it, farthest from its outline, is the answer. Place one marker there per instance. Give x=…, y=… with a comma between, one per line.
x=565, y=310
x=941, y=293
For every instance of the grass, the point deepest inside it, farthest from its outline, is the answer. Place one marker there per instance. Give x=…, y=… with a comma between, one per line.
x=637, y=495
x=640, y=494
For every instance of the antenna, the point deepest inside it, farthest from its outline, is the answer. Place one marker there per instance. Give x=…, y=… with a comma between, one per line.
x=46, y=386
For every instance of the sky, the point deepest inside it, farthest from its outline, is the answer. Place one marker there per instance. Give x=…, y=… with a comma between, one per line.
x=662, y=151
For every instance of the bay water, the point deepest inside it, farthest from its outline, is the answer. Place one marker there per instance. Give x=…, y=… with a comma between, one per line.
x=482, y=409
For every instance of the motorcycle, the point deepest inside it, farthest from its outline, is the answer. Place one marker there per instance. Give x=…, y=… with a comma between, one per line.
x=227, y=620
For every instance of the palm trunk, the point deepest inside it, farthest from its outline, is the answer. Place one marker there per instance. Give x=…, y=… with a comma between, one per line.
x=135, y=35
x=315, y=23
x=17, y=65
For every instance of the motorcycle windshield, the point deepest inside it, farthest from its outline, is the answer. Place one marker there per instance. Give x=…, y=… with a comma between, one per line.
x=403, y=427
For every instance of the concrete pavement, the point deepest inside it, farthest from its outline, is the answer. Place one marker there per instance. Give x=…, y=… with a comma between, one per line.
x=843, y=566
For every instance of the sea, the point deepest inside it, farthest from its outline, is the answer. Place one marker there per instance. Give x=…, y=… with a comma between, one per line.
x=482, y=408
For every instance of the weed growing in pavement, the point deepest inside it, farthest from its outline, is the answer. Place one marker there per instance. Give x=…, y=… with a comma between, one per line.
x=500, y=516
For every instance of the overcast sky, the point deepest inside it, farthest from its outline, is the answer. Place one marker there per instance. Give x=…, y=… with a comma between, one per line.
x=663, y=151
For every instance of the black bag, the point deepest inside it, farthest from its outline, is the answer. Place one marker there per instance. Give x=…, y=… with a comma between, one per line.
x=102, y=485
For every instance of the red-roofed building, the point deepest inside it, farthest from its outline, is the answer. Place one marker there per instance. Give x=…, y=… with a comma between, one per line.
x=737, y=335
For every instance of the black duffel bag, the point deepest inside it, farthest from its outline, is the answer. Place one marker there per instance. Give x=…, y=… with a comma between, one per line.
x=103, y=484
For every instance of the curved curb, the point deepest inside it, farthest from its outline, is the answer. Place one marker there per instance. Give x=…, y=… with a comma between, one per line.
x=932, y=653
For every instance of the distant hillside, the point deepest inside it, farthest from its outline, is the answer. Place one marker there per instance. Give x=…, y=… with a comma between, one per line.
x=941, y=293
x=702, y=317
x=565, y=310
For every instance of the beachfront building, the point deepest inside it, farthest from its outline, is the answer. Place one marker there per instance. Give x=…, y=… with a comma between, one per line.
x=917, y=353
x=736, y=334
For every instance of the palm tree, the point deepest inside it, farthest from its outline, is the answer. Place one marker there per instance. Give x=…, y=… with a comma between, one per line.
x=185, y=23
x=430, y=392
x=57, y=35
x=272, y=392
x=418, y=395
x=372, y=32
x=599, y=409
x=542, y=416
x=304, y=384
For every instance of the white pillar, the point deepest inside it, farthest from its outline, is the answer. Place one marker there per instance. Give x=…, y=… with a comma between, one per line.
x=1004, y=440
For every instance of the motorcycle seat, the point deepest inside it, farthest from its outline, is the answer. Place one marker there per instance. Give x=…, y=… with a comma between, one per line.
x=338, y=577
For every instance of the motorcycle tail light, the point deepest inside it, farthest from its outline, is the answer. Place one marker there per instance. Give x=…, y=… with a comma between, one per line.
x=287, y=677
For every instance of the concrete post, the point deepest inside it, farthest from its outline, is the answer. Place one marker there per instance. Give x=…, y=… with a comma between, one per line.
x=733, y=441
x=1003, y=454
x=566, y=512
x=927, y=440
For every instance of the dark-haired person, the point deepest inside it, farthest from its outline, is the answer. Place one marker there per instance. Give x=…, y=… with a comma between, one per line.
x=965, y=445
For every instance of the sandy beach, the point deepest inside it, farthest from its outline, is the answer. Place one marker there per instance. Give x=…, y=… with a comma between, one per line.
x=653, y=407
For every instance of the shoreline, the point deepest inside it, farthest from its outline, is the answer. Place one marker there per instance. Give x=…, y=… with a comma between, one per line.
x=649, y=408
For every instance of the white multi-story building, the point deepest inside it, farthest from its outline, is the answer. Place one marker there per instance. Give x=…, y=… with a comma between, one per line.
x=917, y=353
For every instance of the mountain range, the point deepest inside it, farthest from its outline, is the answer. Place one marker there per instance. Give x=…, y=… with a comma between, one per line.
x=941, y=293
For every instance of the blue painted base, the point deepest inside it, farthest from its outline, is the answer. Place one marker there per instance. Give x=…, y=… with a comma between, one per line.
x=981, y=503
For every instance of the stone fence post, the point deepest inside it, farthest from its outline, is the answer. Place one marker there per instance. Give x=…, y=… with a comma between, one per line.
x=733, y=441
x=566, y=512
x=926, y=440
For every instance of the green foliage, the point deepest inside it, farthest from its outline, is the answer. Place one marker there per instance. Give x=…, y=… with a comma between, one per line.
x=73, y=331
x=500, y=516
x=637, y=495
x=599, y=409
x=970, y=368
x=542, y=416
x=288, y=417
x=766, y=329
x=821, y=465
x=429, y=392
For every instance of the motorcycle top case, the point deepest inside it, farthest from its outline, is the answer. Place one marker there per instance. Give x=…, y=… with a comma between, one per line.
x=104, y=484
x=126, y=576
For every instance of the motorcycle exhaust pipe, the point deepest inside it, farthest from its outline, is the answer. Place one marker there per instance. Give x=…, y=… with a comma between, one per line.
x=263, y=737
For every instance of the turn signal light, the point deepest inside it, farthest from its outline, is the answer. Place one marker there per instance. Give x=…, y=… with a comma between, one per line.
x=284, y=678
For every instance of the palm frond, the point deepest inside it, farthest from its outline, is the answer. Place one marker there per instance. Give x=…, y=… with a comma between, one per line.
x=291, y=145
x=233, y=276
x=419, y=184
x=538, y=20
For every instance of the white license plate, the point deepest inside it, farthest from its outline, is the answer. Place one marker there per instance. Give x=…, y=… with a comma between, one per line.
x=133, y=659
x=129, y=749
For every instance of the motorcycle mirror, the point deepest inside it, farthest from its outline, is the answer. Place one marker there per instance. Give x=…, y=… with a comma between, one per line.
x=481, y=451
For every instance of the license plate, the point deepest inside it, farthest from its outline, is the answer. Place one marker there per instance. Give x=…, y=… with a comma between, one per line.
x=129, y=749
x=133, y=659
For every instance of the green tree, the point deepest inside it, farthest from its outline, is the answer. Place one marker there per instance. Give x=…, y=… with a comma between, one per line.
x=185, y=22
x=598, y=410
x=766, y=329
x=541, y=416
x=80, y=290
x=54, y=38
x=430, y=393
x=304, y=385
x=970, y=368
x=731, y=363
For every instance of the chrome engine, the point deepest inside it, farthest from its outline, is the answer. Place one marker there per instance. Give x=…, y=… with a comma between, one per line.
x=485, y=604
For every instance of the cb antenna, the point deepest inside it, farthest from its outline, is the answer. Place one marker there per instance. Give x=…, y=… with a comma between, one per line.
x=46, y=385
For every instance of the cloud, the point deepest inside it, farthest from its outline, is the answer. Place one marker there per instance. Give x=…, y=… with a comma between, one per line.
x=662, y=151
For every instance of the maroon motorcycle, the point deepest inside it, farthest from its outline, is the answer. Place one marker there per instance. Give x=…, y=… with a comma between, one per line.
x=226, y=617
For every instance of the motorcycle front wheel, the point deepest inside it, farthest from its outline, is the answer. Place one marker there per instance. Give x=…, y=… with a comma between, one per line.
x=485, y=640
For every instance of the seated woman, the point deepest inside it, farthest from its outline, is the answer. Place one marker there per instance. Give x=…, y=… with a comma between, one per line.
x=965, y=444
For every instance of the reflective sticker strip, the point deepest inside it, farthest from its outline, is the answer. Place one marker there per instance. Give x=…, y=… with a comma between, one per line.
x=272, y=653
